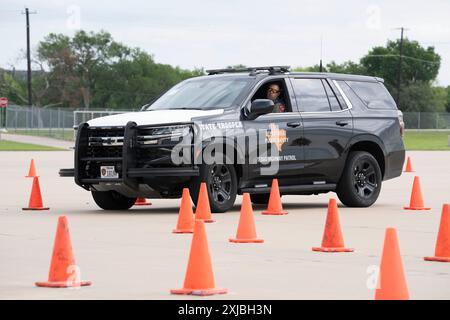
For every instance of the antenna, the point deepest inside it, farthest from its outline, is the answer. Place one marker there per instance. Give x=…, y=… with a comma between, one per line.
x=321, y=53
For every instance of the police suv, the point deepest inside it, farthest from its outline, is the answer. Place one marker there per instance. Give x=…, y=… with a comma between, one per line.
x=237, y=130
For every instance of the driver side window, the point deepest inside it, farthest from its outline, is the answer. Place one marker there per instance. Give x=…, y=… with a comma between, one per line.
x=276, y=91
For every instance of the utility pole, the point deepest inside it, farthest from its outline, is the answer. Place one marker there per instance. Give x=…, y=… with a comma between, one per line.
x=399, y=75
x=27, y=14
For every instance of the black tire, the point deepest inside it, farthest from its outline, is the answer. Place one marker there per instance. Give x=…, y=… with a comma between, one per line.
x=360, y=183
x=112, y=200
x=222, y=192
x=260, y=198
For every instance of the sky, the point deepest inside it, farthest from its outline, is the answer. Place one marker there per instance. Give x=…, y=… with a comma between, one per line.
x=217, y=33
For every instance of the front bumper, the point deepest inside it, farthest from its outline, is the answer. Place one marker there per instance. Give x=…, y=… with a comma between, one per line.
x=136, y=162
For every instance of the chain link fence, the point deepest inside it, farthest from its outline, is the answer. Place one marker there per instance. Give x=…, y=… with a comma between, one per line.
x=58, y=123
x=427, y=120
x=49, y=122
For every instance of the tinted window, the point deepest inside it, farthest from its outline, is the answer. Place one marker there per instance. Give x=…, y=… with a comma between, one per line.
x=374, y=94
x=334, y=103
x=310, y=95
x=351, y=95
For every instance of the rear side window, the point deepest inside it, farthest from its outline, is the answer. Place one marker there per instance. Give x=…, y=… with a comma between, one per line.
x=373, y=94
x=310, y=95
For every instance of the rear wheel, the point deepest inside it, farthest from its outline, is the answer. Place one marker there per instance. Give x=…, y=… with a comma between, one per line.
x=260, y=198
x=112, y=200
x=360, y=183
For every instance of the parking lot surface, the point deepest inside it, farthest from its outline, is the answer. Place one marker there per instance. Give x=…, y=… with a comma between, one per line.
x=134, y=255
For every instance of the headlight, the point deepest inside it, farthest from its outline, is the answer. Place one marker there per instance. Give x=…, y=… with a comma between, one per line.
x=160, y=135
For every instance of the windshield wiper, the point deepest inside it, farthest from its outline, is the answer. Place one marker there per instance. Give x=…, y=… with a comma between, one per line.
x=187, y=108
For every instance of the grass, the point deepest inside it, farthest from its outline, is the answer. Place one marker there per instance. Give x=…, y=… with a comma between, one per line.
x=6, y=145
x=66, y=134
x=426, y=140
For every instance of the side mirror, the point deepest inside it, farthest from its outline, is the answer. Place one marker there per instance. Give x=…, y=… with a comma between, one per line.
x=260, y=107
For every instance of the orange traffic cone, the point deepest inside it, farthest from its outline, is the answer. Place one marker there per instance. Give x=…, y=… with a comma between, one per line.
x=332, y=240
x=246, y=229
x=275, y=207
x=63, y=270
x=142, y=202
x=203, y=210
x=442, y=250
x=199, y=279
x=408, y=166
x=391, y=279
x=32, y=170
x=35, y=202
x=185, y=222
x=416, y=201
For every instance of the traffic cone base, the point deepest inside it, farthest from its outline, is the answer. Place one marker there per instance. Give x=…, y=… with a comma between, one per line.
x=206, y=220
x=416, y=208
x=438, y=259
x=183, y=231
x=38, y=208
x=63, y=284
x=272, y=213
x=197, y=292
x=142, y=202
x=322, y=249
x=235, y=240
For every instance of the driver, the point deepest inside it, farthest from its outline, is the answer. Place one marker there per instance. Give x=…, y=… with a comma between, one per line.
x=273, y=93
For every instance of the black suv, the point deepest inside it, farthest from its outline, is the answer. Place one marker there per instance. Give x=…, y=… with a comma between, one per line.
x=333, y=132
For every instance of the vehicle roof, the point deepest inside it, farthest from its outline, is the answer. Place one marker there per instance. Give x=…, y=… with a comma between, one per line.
x=336, y=76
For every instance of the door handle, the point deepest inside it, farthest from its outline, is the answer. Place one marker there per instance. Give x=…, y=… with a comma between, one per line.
x=294, y=124
x=341, y=123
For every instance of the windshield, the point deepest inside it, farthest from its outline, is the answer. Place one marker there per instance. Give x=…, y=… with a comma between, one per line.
x=203, y=94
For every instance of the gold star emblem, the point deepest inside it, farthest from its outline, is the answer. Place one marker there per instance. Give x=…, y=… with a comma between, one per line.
x=276, y=136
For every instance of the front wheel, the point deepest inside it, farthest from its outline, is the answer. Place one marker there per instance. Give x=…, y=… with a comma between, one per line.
x=360, y=182
x=112, y=200
x=221, y=183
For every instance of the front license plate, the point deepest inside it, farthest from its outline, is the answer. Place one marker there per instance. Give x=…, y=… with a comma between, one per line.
x=108, y=172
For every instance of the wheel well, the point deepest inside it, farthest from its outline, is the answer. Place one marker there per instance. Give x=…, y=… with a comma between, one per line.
x=372, y=148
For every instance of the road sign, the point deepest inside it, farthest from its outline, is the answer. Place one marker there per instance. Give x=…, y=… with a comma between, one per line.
x=3, y=102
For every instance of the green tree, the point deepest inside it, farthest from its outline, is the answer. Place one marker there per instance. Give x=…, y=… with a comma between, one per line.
x=76, y=63
x=348, y=67
x=92, y=70
x=419, y=64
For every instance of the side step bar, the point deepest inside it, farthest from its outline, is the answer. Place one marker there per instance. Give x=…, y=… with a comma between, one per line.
x=292, y=189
